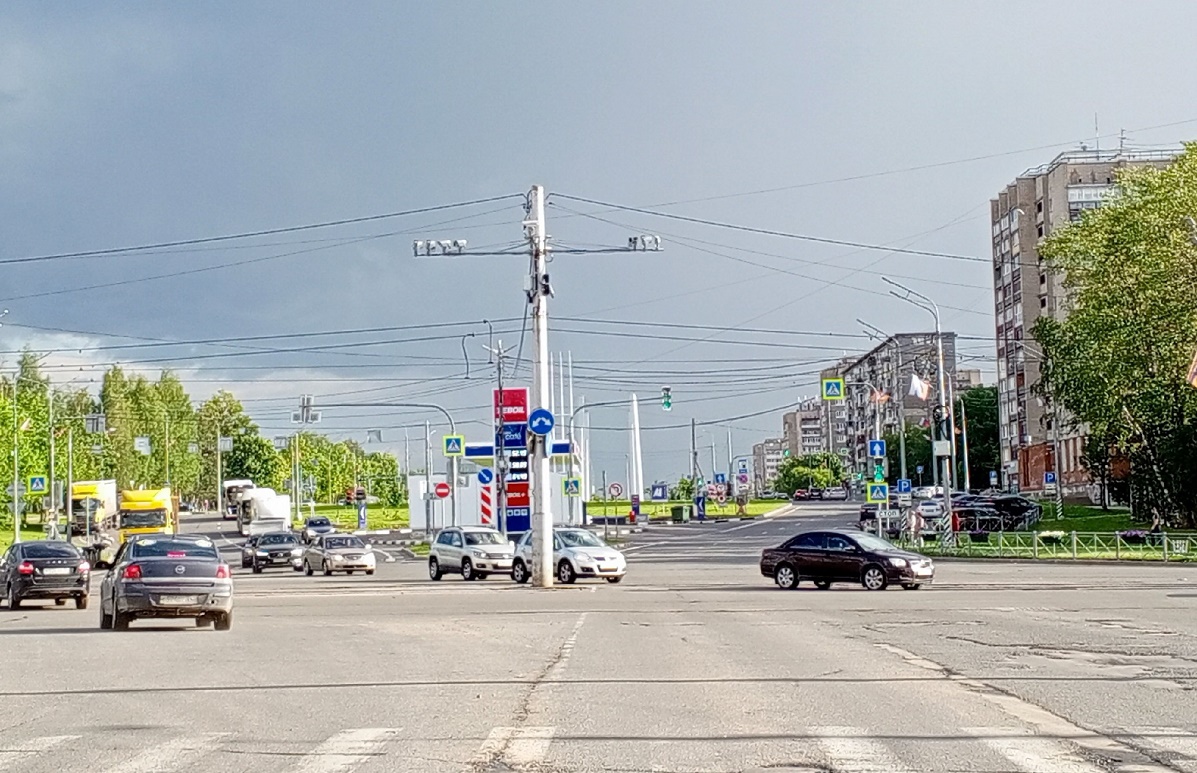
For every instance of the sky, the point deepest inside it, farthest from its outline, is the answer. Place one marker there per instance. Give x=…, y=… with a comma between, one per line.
x=882, y=123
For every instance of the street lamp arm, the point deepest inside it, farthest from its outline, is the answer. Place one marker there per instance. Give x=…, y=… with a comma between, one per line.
x=428, y=406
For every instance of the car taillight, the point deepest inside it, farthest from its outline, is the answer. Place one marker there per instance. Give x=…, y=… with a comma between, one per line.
x=132, y=572
x=222, y=572
x=25, y=568
x=83, y=568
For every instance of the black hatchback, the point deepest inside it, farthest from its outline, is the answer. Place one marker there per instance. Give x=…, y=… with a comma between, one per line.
x=45, y=569
x=828, y=556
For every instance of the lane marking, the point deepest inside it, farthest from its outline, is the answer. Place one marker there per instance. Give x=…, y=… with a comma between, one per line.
x=529, y=746
x=491, y=748
x=1031, y=754
x=567, y=650
x=346, y=750
x=172, y=755
x=1045, y=722
x=850, y=750
x=28, y=750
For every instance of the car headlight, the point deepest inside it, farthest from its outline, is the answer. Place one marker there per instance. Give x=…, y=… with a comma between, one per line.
x=338, y=558
x=898, y=561
x=583, y=556
x=478, y=554
x=262, y=553
x=297, y=552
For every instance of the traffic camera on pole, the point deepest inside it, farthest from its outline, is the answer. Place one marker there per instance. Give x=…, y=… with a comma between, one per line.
x=666, y=399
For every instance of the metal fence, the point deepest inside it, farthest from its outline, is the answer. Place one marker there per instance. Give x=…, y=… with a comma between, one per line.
x=1171, y=546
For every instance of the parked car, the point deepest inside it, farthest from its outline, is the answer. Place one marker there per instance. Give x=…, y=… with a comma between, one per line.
x=576, y=553
x=157, y=576
x=923, y=492
x=338, y=553
x=835, y=492
x=802, y=495
x=930, y=508
x=474, y=552
x=830, y=556
x=317, y=526
x=44, y=569
x=280, y=548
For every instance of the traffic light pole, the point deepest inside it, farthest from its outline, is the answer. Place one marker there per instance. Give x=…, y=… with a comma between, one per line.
x=573, y=455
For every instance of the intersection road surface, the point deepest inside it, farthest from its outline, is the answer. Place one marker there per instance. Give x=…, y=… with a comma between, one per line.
x=694, y=663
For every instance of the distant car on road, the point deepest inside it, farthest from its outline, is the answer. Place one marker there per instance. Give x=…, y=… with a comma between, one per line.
x=317, y=526
x=474, y=552
x=835, y=493
x=281, y=548
x=44, y=569
x=338, y=553
x=930, y=508
x=576, y=553
x=830, y=556
x=159, y=576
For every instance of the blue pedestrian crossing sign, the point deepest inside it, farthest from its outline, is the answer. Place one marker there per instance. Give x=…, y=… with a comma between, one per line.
x=37, y=484
x=485, y=476
x=541, y=422
x=904, y=486
x=877, y=448
x=833, y=389
x=454, y=445
x=878, y=493
x=572, y=487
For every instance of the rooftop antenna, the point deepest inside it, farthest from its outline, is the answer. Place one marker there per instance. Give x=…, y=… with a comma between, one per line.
x=1096, y=134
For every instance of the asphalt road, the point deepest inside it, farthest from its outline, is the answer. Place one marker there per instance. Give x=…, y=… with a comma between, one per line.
x=694, y=663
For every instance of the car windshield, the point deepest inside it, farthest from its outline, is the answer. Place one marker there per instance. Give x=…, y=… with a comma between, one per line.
x=343, y=542
x=870, y=542
x=142, y=519
x=50, y=550
x=579, y=538
x=484, y=538
x=319, y=522
x=173, y=548
x=278, y=539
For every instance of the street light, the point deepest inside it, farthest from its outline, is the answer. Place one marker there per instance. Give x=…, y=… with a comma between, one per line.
x=926, y=304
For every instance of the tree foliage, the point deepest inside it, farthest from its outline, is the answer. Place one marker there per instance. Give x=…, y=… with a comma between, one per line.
x=984, y=451
x=1117, y=363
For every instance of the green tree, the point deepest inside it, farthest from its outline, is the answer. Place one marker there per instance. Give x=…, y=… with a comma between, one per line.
x=254, y=457
x=918, y=451
x=221, y=415
x=1117, y=362
x=984, y=451
x=683, y=491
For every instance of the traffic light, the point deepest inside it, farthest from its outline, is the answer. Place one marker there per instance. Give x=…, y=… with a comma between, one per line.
x=666, y=399
x=879, y=471
x=360, y=495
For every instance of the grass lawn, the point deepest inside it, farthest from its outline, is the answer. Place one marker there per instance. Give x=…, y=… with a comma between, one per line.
x=27, y=535
x=377, y=517
x=660, y=510
x=1085, y=518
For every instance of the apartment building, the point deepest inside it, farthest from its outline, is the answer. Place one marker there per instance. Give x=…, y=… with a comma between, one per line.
x=1036, y=204
x=802, y=429
x=766, y=458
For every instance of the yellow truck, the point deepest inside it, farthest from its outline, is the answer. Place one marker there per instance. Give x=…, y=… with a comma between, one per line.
x=152, y=511
x=93, y=506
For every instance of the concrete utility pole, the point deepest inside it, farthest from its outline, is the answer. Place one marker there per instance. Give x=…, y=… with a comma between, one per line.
x=694, y=454
x=428, y=481
x=16, y=462
x=539, y=291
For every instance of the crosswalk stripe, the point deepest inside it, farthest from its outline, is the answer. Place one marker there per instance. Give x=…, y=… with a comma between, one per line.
x=528, y=746
x=171, y=755
x=346, y=750
x=1033, y=754
x=1176, y=744
x=26, y=750
x=851, y=751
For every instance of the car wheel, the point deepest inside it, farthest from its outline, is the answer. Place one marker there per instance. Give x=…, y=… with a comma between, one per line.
x=874, y=578
x=434, y=569
x=324, y=567
x=369, y=572
x=349, y=571
x=822, y=584
x=81, y=601
x=565, y=572
x=14, y=601
x=911, y=586
x=244, y=564
x=257, y=568
x=785, y=577
x=614, y=580
x=203, y=621
x=105, y=619
x=224, y=621
x=120, y=620
x=60, y=602
x=519, y=572
x=467, y=570
x=481, y=575
x=307, y=568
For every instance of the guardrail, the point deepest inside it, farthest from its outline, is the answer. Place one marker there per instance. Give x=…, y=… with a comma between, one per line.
x=1166, y=546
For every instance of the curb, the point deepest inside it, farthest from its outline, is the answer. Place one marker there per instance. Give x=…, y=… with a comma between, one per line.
x=1077, y=561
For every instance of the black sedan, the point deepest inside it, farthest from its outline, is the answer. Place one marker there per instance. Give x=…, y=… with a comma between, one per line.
x=280, y=548
x=44, y=570
x=824, y=557
x=161, y=576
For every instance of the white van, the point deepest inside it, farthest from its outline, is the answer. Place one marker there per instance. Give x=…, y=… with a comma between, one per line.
x=264, y=511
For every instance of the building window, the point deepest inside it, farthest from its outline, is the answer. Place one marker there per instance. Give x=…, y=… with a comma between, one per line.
x=1043, y=279
x=1039, y=207
x=1039, y=230
x=1043, y=302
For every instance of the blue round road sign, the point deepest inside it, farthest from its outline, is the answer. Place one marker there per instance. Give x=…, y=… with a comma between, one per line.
x=485, y=475
x=540, y=422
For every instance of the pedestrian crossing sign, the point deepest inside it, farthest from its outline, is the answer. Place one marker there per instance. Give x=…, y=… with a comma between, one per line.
x=454, y=445
x=833, y=389
x=37, y=484
x=571, y=486
x=878, y=493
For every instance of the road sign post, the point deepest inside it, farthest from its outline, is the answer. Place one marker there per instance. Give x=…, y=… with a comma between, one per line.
x=833, y=389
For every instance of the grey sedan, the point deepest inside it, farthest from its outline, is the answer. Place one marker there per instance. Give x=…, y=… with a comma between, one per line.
x=161, y=576
x=338, y=553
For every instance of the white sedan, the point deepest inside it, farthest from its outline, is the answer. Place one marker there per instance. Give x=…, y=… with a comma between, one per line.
x=576, y=553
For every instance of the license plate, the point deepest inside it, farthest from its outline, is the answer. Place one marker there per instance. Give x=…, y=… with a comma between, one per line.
x=177, y=601
x=923, y=572
x=57, y=571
